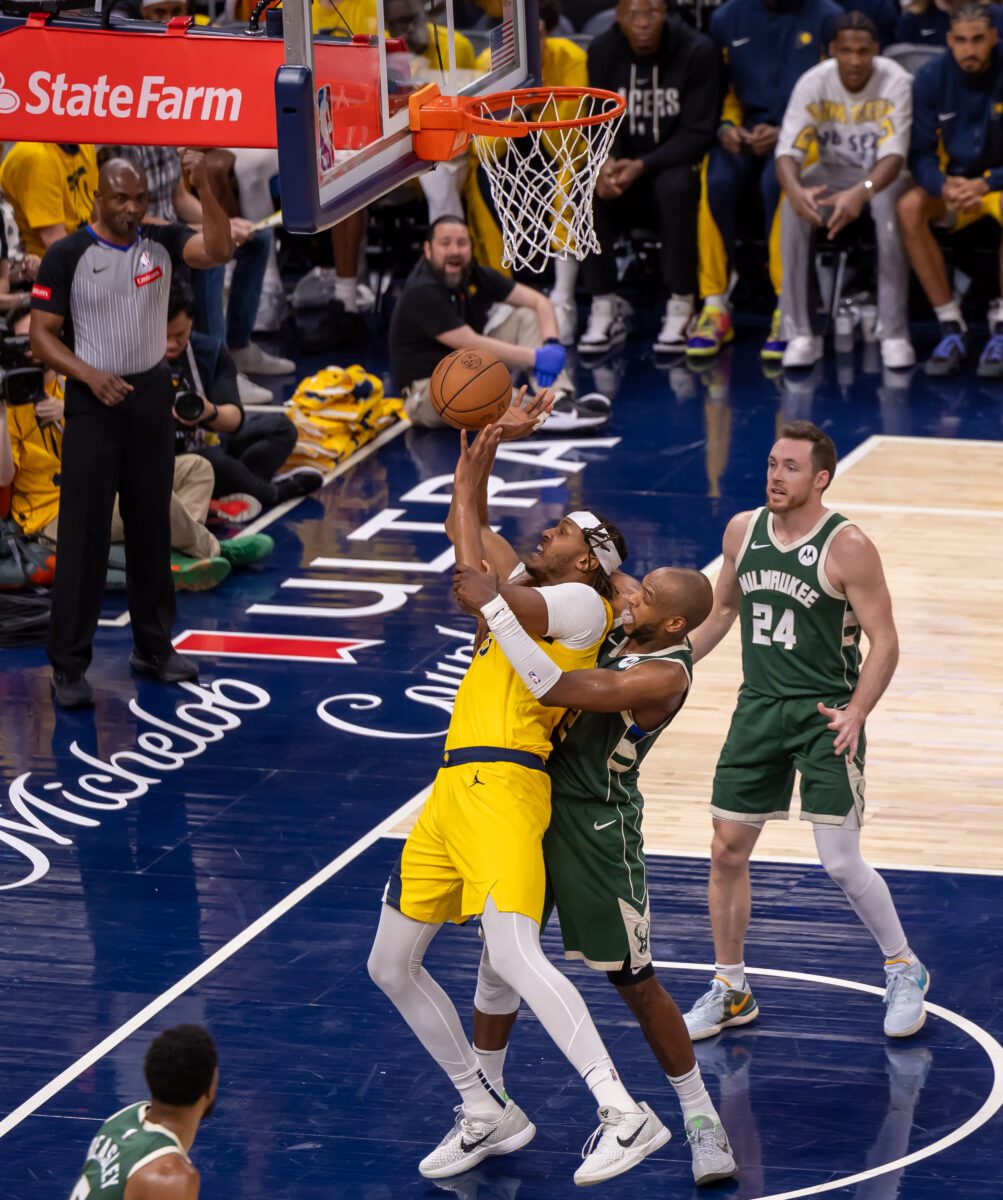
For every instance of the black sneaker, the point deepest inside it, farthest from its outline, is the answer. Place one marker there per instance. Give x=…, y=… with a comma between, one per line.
x=71, y=691
x=991, y=359
x=170, y=668
x=951, y=353
x=301, y=481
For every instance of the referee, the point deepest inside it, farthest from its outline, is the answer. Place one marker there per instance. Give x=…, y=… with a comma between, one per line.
x=99, y=315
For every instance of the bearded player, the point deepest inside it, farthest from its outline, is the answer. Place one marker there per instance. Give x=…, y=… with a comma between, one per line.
x=804, y=582
x=477, y=846
x=594, y=848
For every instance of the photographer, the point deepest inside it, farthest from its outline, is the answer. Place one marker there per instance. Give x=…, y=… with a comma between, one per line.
x=245, y=451
x=99, y=316
x=35, y=431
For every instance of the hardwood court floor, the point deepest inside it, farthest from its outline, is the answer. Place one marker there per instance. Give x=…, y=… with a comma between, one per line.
x=934, y=508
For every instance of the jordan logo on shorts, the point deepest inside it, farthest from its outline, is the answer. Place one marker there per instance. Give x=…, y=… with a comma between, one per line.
x=476, y=780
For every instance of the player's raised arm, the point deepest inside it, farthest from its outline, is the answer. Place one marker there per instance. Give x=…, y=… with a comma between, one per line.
x=464, y=525
x=727, y=593
x=854, y=567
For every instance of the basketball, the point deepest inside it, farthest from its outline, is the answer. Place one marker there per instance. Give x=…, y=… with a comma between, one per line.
x=470, y=389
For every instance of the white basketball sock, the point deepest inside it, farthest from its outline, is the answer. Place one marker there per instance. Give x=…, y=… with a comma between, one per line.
x=493, y=1065
x=733, y=974
x=346, y=289
x=604, y=1083
x=693, y=1097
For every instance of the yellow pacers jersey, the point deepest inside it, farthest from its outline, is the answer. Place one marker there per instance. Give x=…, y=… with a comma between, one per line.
x=495, y=708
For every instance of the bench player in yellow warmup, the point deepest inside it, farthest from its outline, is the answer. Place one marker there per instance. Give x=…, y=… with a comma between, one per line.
x=477, y=847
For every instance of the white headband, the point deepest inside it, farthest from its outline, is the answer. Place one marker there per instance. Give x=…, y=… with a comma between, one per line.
x=597, y=540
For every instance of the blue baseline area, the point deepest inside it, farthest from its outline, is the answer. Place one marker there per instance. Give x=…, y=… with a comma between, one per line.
x=325, y=1092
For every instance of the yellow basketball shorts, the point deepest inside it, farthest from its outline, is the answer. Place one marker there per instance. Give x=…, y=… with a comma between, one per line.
x=479, y=834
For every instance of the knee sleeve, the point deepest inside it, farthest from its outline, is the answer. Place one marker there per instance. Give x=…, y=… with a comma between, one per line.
x=493, y=995
x=839, y=853
x=625, y=978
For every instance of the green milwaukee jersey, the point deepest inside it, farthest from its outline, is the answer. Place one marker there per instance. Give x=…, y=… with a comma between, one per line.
x=799, y=635
x=596, y=756
x=124, y=1143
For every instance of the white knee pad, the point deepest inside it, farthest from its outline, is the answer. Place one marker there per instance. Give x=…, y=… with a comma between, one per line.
x=493, y=995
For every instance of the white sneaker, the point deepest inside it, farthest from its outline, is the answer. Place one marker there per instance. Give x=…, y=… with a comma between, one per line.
x=471, y=1140
x=253, y=393
x=607, y=325
x=803, y=352
x=711, y=1151
x=621, y=1142
x=252, y=360
x=897, y=353
x=574, y=414
x=905, y=1012
x=676, y=327
x=566, y=312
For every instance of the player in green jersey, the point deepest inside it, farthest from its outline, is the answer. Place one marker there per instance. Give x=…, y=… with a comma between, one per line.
x=141, y=1153
x=803, y=582
x=593, y=849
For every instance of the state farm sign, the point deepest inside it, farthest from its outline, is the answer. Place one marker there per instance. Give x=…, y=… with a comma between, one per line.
x=155, y=98
x=172, y=87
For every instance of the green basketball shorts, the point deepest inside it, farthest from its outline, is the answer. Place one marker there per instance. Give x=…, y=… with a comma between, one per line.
x=594, y=854
x=768, y=741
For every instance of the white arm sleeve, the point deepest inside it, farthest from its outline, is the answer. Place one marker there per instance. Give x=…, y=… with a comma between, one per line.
x=576, y=614
x=535, y=668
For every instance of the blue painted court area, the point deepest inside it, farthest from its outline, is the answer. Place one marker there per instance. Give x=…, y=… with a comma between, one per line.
x=138, y=841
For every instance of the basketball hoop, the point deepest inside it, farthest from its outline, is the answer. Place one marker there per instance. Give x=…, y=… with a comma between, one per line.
x=541, y=148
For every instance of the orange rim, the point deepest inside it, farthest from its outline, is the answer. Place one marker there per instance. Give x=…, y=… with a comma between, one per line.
x=529, y=98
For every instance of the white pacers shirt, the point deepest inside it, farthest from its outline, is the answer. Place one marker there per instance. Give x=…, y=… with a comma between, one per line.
x=851, y=129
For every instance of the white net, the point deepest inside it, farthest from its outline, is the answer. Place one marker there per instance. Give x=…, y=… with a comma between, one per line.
x=542, y=182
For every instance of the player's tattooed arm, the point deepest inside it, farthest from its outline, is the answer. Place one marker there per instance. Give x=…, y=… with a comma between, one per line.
x=854, y=568
x=727, y=593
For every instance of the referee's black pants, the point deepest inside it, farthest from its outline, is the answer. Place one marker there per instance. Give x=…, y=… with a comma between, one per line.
x=126, y=449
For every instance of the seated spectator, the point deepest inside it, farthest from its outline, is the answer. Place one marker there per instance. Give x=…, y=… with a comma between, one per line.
x=428, y=46
x=669, y=75
x=562, y=64
x=928, y=22
x=198, y=560
x=245, y=452
x=451, y=302
x=855, y=110
x=957, y=161
x=170, y=200
x=51, y=189
x=767, y=45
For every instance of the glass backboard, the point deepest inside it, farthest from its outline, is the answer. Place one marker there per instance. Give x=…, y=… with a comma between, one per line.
x=341, y=98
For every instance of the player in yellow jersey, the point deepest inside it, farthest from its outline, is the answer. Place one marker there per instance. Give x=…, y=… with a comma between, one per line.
x=477, y=847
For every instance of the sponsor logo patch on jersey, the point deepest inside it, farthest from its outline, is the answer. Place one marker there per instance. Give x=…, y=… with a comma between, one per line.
x=40, y=292
x=807, y=555
x=147, y=277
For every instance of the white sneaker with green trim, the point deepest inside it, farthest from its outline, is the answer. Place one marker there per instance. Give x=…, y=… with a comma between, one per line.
x=711, y=1151
x=472, y=1140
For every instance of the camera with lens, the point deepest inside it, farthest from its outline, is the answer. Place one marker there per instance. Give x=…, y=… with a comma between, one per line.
x=21, y=380
x=188, y=405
